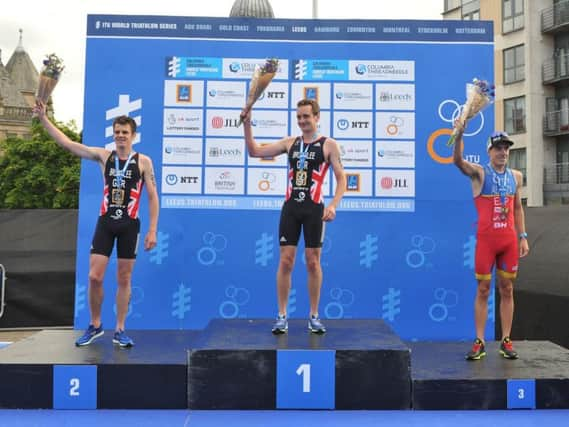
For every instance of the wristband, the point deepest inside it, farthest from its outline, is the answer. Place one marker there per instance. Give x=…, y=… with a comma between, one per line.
x=523, y=235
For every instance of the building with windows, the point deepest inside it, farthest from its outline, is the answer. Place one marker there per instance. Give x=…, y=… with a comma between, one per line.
x=531, y=63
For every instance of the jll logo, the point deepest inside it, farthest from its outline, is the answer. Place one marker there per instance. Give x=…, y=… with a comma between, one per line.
x=386, y=182
x=217, y=122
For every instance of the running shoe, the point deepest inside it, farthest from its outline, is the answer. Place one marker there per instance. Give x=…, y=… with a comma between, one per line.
x=507, y=349
x=315, y=325
x=90, y=335
x=478, y=351
x=280, y=326
x=122, y=339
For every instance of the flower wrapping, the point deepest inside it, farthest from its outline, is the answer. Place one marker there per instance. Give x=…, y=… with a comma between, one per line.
x=262, y=76
x=49, y=76
x=479, y=94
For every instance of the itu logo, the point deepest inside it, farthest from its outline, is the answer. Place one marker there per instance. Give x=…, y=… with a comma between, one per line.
x=171, y=179
x=234, y=67
x=361, y=69
x=343, y=124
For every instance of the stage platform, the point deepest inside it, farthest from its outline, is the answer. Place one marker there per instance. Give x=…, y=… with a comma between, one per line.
x=239, y=364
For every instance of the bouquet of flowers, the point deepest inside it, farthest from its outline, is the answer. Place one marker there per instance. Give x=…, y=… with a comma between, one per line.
x=49, y=76
x=262, y=76
x=479, y=94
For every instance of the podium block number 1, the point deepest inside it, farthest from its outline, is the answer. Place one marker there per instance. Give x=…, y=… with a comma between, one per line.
x=306, y=379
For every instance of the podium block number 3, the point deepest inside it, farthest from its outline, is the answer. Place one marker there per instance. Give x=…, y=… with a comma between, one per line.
x=306, y=379
x=521, y=394
x=74, y=387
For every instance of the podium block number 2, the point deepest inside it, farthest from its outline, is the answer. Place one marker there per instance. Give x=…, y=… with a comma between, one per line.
x=306, y=379
x=74, y=387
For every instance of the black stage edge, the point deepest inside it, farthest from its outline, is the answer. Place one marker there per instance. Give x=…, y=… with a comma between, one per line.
x=443, y=379
x=233, y=365
x=152, y=374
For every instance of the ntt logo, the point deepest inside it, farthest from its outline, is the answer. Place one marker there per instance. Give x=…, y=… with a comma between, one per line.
x=343, y=124
x=361, y=69
x=171, y=179
x=234, y=67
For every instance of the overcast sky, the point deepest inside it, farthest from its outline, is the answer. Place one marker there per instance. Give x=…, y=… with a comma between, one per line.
x=59, y=26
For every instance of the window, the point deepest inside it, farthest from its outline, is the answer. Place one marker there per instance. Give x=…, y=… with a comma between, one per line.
x=514, y=64
x=518, y=161
x=512, y=15
x=472, y=16
x=471, y=10
x=515, y=115
x=451, y=4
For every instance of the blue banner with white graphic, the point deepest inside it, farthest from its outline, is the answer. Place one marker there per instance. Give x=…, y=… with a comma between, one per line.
x=402, y=246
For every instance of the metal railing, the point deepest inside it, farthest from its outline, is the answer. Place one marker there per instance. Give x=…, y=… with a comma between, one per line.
x=2, y=289
x=555, y=69
x=556, y=173
x=555, y=17
x=556, y=122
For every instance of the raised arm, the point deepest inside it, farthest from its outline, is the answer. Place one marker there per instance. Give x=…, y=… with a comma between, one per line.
x=153, y=205
x=334, y=159
x=469, y=169
x=258, y=150
x=91, y=153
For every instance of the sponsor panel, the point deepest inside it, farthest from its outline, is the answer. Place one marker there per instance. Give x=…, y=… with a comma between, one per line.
x=269, y=124
x=266, y=181
x=243, y=68
x=275, y=96
x=311, y=90
x=224, y=151
x=351, y=124
x=179, y=121
x=224, y=180
x=394, y=183
x=223, y=123
x=182, y=151
x=349, y=96
x=382, y=70
x=225, y=94
x=359, y=182
x=200, y=67
x=319, y=69
x=395, y=125
x=395, y=154
x=183, y=93
x=395, y=96
x=356, y=153
x=181, y=180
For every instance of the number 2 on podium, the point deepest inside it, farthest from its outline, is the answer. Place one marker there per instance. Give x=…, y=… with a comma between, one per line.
x=304, y=370
x=74, y=387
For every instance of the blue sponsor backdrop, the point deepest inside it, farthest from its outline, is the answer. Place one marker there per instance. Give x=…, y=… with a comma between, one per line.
x=407, y=258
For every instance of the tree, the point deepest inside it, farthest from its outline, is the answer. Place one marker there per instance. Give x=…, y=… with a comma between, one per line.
x=36, y=173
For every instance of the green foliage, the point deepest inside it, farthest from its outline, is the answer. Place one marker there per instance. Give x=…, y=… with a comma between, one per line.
x=37, y=173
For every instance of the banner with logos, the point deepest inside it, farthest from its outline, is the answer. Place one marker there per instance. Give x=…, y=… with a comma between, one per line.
x=402, y=246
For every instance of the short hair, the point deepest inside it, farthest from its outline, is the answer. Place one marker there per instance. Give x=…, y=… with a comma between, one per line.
x=125, y=120
x=313, y=103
